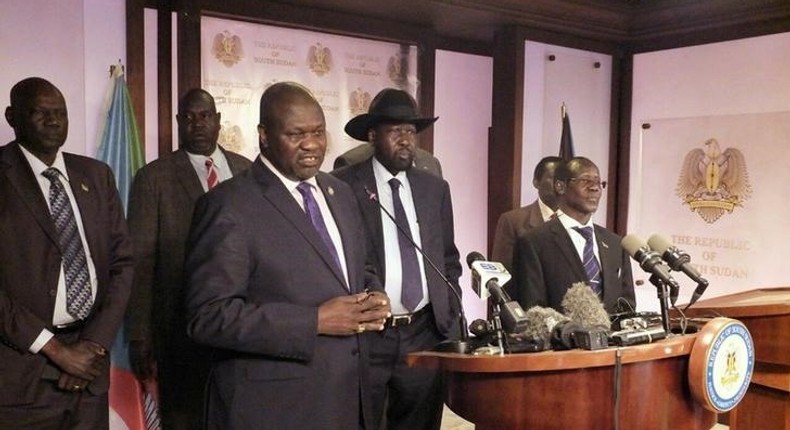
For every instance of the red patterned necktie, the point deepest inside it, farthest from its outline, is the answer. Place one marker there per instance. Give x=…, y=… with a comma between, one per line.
x=212, y=178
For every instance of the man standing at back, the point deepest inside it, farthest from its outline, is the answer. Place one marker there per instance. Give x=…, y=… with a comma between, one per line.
x=65, y=271
x=160, y=212
x=570, y=248
x=424, y=308
x=516, y=222
x=277, y=283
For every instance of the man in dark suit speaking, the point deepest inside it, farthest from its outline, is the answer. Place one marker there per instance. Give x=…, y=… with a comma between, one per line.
x=569, y=249
x=277, y=283
x=425, y=309
x=160, y=212
x=65, y=270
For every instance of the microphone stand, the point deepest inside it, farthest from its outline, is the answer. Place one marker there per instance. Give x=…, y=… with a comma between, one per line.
x=663, y=294
x=463, y=345
x=497, y=322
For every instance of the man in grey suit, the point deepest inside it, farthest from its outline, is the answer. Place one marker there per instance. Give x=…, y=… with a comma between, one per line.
x=570, y=249
x=160, y=212
x=65, y=270
x=516, y=222
x=277, y=283
x=425, y=308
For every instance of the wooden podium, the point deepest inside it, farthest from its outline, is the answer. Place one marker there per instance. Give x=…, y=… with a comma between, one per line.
x=574, y=389
x=766, y=313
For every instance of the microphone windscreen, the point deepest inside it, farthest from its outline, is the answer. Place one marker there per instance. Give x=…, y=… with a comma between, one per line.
x=541, y=321
x=479, y=328
x=632, y=243
x=659, y=243
x=582, y=305
x=474, y=256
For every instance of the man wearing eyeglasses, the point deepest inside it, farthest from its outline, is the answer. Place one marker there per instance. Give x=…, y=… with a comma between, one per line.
x=160, y=212
x=570, y=248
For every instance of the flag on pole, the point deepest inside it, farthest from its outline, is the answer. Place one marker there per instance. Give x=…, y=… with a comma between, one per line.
x=132, y=405
x=566, y=140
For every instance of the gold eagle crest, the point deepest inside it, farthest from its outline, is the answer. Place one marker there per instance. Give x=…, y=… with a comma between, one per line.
x=359, y=101
x=713, y=182
x=319, y=58
x=227, y=48
x=230, y=137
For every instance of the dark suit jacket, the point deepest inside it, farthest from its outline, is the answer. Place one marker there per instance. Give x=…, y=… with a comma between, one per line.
x=435, y=217
x=546, y=265
x=31, y=261
x=423, y=160
x=161, y=203
x=256, y=273
x=510, y=226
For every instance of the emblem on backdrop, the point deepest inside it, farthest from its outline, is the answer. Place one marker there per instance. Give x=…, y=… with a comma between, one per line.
x=358, y=102
x=230, y=137
x=397, y=66
x=319, y=58
x=713, y=182
x=227, y=48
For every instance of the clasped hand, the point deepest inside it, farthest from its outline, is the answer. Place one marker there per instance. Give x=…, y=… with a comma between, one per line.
x=347, y=315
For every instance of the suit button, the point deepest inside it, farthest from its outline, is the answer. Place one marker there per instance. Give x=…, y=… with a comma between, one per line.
x=52, y=293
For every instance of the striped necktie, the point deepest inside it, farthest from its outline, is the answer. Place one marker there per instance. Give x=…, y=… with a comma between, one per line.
x=212, y=178
x=591, y=266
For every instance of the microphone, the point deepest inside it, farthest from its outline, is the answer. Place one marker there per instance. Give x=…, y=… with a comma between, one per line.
x=589, y=324
x=678, y=261
x=651, y=263
x=484, y=272
x=488, y=273
x=541, y=322
x=460, y=346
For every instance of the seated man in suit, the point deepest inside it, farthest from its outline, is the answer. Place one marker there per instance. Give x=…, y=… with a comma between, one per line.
x=277, y=282
x=568, y=249
x=516, y=222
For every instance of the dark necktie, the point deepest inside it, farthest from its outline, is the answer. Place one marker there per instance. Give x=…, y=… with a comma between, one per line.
x=411, y=280
x=75, y=265
x=212, y=178
x=591, y=266
x=314, y=213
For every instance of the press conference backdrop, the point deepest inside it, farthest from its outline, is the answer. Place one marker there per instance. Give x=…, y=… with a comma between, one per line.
x=240, y=60
x=716, y=186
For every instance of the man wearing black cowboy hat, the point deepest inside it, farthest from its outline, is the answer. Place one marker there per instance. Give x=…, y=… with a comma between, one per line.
x=423, y=307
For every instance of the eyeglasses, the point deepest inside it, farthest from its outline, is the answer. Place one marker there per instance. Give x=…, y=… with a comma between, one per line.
x=589, y=183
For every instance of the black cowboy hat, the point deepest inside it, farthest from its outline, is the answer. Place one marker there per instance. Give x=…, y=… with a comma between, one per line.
x=389, y=105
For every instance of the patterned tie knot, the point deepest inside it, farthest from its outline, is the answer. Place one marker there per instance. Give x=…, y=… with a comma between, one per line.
x=51, y=173
x=394, y=184
x=209, y=162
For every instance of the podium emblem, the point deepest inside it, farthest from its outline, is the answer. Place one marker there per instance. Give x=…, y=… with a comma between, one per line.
x=721, y=364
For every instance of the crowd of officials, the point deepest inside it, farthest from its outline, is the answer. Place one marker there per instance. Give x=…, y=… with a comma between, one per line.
x=264, y=294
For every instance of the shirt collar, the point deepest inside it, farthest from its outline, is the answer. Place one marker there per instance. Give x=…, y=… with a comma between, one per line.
x=39, y=166
x=290, y=184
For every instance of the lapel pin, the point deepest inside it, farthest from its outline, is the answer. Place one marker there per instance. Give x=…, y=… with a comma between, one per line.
x=604, y=245
x=330, y=190
x=84, y=187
